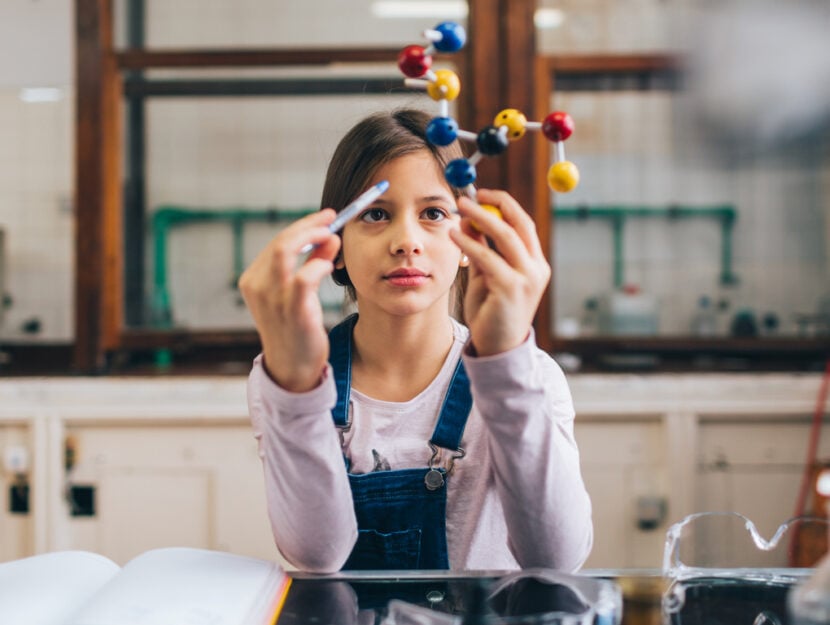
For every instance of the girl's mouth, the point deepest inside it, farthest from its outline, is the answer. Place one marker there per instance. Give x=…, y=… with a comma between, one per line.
x=406, y=277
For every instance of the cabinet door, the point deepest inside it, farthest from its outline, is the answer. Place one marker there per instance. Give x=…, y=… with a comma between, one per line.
x=198, y=486
x=624, y=467
x=16, y=514
x=753, y=467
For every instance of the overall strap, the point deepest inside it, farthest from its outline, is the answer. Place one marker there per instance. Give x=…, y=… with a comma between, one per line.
x=340, y=358
x=454, y=411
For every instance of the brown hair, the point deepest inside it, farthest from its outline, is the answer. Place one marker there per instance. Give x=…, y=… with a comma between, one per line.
x=373, y=142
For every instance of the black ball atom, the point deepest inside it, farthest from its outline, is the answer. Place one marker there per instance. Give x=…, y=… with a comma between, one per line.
x=490, y=141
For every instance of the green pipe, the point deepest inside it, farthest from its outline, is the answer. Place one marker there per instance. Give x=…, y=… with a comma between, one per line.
x=673, y=210
x=618, y=214
x=238, y=255
x=167, y=217
x=727, y=276
x=618, y=223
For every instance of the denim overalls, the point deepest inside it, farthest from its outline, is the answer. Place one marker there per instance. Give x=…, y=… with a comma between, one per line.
x=401, y=514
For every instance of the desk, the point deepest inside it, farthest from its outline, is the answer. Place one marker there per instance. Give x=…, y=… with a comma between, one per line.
x=360, y=598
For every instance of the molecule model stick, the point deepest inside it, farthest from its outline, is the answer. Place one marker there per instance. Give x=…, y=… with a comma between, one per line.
x=351, y=211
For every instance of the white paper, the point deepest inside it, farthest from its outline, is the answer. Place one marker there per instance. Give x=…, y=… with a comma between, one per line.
x=182, y=586
x=170, y=586
x=45, y=589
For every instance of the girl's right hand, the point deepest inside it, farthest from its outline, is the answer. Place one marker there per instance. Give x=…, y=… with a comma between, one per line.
x=283, y=301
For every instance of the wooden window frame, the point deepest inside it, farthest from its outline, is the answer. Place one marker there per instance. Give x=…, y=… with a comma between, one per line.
x=500, y=68
x=674, y=352
x=501, y=36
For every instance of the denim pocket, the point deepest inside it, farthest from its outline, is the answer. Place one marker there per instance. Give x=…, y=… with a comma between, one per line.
x=379, y=551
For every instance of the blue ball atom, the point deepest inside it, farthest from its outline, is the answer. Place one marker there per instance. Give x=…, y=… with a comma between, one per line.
x=460, y=173
x=442, y=130
x=453, y=37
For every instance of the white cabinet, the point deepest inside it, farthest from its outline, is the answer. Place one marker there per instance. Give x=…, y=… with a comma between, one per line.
x=16, y=528
x=624, y=464
x=694, y=443
x=755, y=470
x=196, y=485
x=173, y=461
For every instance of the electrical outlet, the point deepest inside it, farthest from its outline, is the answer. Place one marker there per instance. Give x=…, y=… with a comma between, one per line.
x=19, y=498
x=82, y=500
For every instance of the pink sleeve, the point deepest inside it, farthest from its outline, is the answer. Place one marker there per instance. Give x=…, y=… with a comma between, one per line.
x=525, y=402
x=306, y=485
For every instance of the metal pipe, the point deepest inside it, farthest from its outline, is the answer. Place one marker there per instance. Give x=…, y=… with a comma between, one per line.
x=167, y=217
x=135, y=180
x=618, y=223
x=727, y=215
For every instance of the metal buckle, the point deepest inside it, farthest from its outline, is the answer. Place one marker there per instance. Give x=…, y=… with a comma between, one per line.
x=457, y=455
x=436, y=454
x=341, y=430
x=433, y=478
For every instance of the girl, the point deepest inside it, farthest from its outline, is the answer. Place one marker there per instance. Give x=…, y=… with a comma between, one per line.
x=404, y=439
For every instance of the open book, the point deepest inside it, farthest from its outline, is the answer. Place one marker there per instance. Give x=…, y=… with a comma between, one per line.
x=170, y=586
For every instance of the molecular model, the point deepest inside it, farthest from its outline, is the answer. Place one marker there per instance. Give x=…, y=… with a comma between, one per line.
x=444, y=86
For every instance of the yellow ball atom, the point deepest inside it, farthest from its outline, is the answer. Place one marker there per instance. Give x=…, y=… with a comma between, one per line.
x=490, y=209
x=515, y=121
x=563, y=176
x=446, y=86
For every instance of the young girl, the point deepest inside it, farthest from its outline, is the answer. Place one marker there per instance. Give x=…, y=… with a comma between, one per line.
x=406, y=440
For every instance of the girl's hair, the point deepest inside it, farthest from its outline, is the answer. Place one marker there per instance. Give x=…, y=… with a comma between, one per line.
x=373, y=142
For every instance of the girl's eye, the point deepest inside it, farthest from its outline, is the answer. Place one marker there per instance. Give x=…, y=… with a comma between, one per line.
x=435, y=214
x=373, y=215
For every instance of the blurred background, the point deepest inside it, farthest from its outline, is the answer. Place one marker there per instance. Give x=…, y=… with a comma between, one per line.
x=150, y=149
x=701, y=134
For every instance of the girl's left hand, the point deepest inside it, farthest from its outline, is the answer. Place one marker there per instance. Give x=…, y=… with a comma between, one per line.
x=505, y=286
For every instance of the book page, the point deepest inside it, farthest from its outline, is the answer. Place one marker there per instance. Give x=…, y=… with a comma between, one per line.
x=45, y=589
x=186, y=586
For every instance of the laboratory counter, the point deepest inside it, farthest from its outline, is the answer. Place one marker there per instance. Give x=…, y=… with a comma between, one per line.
x=443, y=598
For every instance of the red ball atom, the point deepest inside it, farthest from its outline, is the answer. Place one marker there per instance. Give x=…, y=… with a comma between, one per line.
x=558, y=126
x=413, y=62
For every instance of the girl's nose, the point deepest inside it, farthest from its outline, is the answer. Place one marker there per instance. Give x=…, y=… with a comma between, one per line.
x=406, y=238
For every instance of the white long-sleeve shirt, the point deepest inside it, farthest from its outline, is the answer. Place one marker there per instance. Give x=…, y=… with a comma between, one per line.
x=516, y=499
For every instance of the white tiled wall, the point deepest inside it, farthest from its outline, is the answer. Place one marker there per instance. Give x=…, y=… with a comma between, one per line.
x=37, y=43
x=255, y=153
x=612, y=26
x=633, y=148
x=254, y=23
x=639, y=148
x=36, y=155
x=36, y=168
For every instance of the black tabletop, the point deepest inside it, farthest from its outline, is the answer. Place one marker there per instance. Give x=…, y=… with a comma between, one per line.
x=648, y=599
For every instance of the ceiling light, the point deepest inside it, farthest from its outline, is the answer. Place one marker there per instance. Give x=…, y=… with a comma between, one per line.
x=548, y=18
x=447, y=9
x=41, y=94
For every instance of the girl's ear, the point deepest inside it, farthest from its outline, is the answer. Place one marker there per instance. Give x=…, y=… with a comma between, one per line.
x=464, y=262
x=338, y=262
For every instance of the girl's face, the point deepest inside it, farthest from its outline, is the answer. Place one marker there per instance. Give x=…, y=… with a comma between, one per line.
x=398, y=252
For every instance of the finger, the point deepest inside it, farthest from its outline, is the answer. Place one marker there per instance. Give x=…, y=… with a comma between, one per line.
x=502, y=233
x=483, y=259
x=280, y=256
x=515, y=215
x=311, y=274
x=301, y=295
x=311, y=229
x=327, y=248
